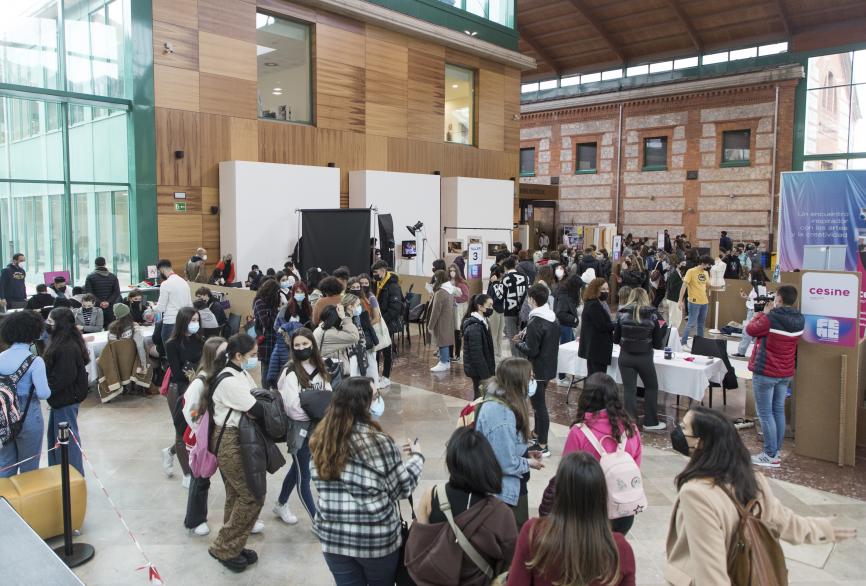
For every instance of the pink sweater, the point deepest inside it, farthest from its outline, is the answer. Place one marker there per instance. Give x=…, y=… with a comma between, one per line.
x=600, y=426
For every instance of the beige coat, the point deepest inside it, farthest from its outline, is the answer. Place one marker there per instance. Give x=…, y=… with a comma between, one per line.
x=440, y=320
x=334, y=343
x=704, y=523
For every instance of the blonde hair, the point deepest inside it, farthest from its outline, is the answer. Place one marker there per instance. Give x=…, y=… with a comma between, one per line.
x=639, y=298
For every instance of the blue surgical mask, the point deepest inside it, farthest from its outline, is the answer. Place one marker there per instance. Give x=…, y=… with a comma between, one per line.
x=193, y=327
x=299, y=297
x=532, y=387
x=357, y=311
x=377, y=407
x=251, y=363
x=285, y=285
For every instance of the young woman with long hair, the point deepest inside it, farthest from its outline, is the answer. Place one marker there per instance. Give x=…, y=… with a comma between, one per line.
x=266, y=306
x=596, y=327
x=478, y=357
x=461, y=300
x=503, y=418
x=66, y=360
x=565, y=307
x=360, y=477
x=601, y=412
x=637, y=326
x=212, y=354
x=183, y=350
x=305, y=371
x=364, y=323
x=337, y=333
x=720, y=470
x=228, y=397
x=574, y=545
x=292, y=316
x=440, y=320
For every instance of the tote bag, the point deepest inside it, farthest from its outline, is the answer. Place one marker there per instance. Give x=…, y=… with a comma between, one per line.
x=384, y=335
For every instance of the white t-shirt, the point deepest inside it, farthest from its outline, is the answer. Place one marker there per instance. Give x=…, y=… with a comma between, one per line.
x=290, y=391
x=757, y=291
x=173, y=295
x=233, y=393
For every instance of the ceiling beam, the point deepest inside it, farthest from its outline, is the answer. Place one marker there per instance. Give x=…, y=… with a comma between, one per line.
x=693, y=34
x=783, y=15
x=593, y=22
x=542, y=53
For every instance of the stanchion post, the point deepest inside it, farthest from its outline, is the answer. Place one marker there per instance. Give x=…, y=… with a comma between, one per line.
x=73, y=554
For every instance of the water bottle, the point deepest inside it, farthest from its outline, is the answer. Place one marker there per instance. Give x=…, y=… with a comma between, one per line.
x=668, y=353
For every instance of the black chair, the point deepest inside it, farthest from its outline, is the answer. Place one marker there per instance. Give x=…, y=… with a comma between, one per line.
x=418, y=315
x=411, y=301
x=717, y=349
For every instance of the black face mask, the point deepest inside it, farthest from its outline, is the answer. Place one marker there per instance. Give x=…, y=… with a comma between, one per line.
x=603, y=296
x=488, y=312
x=679, y=442
x=304, y=353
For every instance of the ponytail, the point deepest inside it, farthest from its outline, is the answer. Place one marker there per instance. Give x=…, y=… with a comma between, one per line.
x=474, y=302
x=240, y=343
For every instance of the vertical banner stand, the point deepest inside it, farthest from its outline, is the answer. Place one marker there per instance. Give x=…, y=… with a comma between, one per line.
x=843, y=399
x=72, y=554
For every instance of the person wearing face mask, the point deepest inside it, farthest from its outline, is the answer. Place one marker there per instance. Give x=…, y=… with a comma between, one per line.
x=496, y=321
x=305, y=372
x=565, y=307
x=206, y=300
x=88, y=317
x=137, y=306
x=287, y=282
x=291, y=317
x=461, y=302
x=669, y=307
x=195, y=269
x=364, y=321
x=103, y=285
x=61, y=290
x=596, y=328
x=123, y=328
x=717, y=480
x=183, y=351
x=357, y=353
x=335, y=334
x=224, y=273
x=696, y=281
x=228, y=396
x=478, y=361
x=440, y=321
x=266, y=307
x=13, y=290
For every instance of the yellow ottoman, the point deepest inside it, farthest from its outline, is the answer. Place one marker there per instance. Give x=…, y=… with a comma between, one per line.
x=37, y=497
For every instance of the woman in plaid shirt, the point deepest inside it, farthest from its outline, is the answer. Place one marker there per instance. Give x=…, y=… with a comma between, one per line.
x=360, y=478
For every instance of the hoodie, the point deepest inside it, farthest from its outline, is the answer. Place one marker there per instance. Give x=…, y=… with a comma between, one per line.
x=540, y=344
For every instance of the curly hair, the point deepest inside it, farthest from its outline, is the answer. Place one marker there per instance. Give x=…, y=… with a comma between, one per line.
x=600, y=393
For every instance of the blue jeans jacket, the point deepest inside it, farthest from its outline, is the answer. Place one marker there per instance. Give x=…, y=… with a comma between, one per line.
x=498, y=424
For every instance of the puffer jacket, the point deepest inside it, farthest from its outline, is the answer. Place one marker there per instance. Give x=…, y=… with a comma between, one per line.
x=103, y=285
x=565, y=308
x=540, y=345
x=588, y=262
x=259, y=452
x=776, y=336
x=636, y=336
x=634, y=278
x=478, y=358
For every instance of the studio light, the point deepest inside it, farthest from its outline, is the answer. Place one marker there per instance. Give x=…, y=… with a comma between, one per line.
x=418, y=225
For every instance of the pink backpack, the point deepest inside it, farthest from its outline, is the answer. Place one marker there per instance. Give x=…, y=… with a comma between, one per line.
x=625, y=494
x=202, y=463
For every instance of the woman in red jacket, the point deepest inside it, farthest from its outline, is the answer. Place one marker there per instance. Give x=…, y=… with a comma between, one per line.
x=575, y=544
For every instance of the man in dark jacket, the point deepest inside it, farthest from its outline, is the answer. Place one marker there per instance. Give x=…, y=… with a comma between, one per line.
x=732, y=265
x=588, y=262
x=390, y=298
x=774, y=359
x=540, y=345
x=526, y=267
x=103, y=285
x=514, y=286
x=42, y=301
x=13, y=290
x=725, y=242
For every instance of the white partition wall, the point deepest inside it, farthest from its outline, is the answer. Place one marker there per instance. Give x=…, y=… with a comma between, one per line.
x=408, y=197
x=480, y=208
x=258, y=223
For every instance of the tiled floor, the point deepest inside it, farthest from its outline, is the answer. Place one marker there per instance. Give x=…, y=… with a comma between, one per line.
x=124, y=438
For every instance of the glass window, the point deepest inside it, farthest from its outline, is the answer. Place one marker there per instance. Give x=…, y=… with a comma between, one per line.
x=827, y=119
x=528, y=87
x=661, y=67
x=685, y=63
x=655, y=153
x=97, y=145
x=527, y=162
x=586, y=157
x=715, y=58
x=459, y=105
x=100, y=227
x=637, y=70
x=772, y=49
x=284, y=71
x=548, y=85
x=28, y=43
x=498, y=11
x=28, y=151
x=31, y=221
x=735, y=146
x=590, y=77
x=744, y=53
x=569, y=81
x=94, y=37
x=611, y=74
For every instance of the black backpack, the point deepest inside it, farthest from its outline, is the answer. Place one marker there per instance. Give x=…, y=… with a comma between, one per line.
x=11, y=416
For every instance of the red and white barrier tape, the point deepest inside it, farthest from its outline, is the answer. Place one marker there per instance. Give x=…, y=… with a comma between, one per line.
x=152, y=575
x=39, y=455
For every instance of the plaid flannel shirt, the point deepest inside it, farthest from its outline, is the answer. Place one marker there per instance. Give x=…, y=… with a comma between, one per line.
x=358, y=515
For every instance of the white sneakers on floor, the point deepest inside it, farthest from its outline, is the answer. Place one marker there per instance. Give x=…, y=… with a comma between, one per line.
x=657, y=428
x=258, y=527
x=168, y=462
x=384, y=383
x=201, y=530
x=285, y=514
x=441, y=367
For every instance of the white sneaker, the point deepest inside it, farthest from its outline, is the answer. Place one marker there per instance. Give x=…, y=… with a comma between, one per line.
x=168, y=462
x=201, y=530
x=441, y=367
x=659, y=427
x=563, y=382
x=283, y=512
x=185, y=481
x=258, y=527
x=766, y=461
x=384, y=383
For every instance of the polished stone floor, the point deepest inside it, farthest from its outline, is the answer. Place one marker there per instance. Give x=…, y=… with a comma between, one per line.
x=123, y=440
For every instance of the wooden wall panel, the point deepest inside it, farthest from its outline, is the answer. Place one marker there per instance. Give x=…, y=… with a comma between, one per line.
x=179, y=236
x=214, y=146
x=165, y=199
x=176, y=88
x=412, y=156
x=340, y=96
x=210, y=236
x=244, y=139
x=210, y=196
x=184, y=44
x=280, y=142
x=228, y=96
x=226, y=56
x=177, y=130
x=340, y=45
x=511, y=100
x=376, y=153
x=178, y=12
x=426, y=91
x=347, y=150
x=232, y=18
x=491, y=111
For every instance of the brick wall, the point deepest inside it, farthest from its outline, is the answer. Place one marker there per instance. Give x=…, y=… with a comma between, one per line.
x=737, y=199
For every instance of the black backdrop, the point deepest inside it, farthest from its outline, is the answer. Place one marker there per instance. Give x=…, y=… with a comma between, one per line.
x=332, y=238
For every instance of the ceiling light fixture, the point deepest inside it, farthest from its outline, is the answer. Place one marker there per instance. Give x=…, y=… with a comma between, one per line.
x=455, y=86
x=471, y=33
x=278, y=89
x=277, y=93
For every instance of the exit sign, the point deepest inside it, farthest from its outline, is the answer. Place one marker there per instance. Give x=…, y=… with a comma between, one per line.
x=180, y=206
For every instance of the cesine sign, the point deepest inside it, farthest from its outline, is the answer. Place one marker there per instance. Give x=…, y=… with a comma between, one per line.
x=831, y=304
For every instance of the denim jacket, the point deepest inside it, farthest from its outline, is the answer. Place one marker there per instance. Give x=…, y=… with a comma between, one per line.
x=498, y=424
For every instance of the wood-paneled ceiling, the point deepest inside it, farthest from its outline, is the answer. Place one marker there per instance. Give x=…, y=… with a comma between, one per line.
x=580, y=36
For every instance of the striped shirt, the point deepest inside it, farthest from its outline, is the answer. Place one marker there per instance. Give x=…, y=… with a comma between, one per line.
x=358, y=515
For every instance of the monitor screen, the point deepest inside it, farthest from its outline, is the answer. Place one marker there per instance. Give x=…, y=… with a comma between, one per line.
x=409, y=249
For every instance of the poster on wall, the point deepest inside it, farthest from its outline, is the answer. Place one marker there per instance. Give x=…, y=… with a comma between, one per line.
x=476, y=258
x=617, y=246
x=660, y=241
x=573, y=237
x=822, y=224
x=830, y=302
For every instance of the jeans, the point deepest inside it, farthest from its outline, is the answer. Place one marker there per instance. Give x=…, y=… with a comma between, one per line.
x=495, y=322
x=444, y=355
x=179, y=448
x=300, y=467
x=56, y=416
x=542, y=417
x=349, y=571
x=770, y=404
x=196, y=502
x=697, y=317
x=27, y=443
x=630, y=366
x=511, y=327
x=747, y=339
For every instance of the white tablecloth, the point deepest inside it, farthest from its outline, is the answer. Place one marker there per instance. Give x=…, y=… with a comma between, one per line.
x=96, y=342
x=676, y=376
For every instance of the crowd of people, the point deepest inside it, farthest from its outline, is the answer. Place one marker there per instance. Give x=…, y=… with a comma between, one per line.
x=305, y=370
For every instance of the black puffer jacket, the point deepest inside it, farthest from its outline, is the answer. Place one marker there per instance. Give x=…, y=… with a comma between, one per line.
x=588, y=262
x=391, y=303
x=259, y=451
x=478, y=358
x=103, y=285
x=636, y=336
x=540, y=345
x=565, y=308
x=634, y=278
